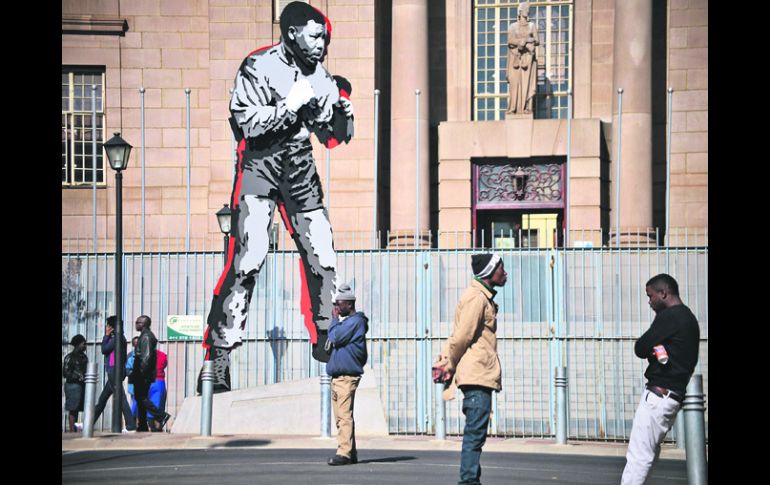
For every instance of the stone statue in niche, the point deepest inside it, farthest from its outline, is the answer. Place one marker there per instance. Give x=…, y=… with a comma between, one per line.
x=522, y=62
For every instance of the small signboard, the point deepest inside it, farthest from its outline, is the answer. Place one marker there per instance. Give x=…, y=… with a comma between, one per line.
x=185, y=327
x=505, y=242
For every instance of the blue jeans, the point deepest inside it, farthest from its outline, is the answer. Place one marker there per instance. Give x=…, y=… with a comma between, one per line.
x=477, y=404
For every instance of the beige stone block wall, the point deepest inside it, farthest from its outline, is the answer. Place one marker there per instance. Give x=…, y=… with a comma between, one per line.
x=688, y=75
x=165, y=50
x=199, y=44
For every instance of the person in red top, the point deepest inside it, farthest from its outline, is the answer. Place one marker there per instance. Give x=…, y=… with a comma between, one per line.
x=158, y=392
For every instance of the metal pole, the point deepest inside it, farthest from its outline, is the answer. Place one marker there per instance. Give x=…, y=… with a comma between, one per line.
x=417, y=163
x=561, y=405
x=440, y=412
x=619, y=294
x=668, y=161
x=569, y=164
x=694, y=407
x=328, y=183
x=376, y=139
x=224, y=253
x=326, y=399
x=207, y=396
x=90, y=399
x=117, y=399
x=187, y=240
x=617, y=178
x=93, y=154
x=141, y=130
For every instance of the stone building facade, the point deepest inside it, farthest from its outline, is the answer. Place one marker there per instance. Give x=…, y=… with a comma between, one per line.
x=398, y=46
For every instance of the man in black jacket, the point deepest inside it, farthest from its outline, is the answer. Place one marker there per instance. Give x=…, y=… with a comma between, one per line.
x=143, y=375
x=675, y=328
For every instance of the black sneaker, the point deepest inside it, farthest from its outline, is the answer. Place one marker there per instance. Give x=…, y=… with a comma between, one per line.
x=221, y=358
x=338, y=460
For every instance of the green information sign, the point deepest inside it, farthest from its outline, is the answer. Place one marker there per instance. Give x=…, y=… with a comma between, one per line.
x=185, y=327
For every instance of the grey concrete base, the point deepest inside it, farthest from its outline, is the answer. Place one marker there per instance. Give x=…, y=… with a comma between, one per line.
x=286, y=408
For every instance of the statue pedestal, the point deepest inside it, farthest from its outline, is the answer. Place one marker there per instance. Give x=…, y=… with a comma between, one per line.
x=284, y=408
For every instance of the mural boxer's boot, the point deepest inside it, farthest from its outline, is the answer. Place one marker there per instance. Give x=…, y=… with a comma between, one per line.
x=221, y=358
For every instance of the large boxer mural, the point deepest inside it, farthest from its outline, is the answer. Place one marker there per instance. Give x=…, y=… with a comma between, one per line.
x=282, y=94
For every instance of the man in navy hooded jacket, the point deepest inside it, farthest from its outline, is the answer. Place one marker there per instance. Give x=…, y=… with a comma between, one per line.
x=347, y=344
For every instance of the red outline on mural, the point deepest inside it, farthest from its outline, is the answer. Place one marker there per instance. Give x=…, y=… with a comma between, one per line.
x=261, y=49
x=206, y=345
x=236, y=197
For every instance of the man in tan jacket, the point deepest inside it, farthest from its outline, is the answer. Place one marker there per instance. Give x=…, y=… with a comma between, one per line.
x=469, y=359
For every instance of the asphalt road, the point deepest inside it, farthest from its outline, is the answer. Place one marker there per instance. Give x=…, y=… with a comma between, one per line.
x=301, y=466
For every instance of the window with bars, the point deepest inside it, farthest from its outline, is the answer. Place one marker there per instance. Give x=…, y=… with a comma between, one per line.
x=79, y=127
x=553, y=20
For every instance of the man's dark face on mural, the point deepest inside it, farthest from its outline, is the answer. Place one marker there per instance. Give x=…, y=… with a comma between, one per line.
x=308, y=42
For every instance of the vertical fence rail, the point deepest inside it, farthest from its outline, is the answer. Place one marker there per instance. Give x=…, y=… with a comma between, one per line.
x=410, y=297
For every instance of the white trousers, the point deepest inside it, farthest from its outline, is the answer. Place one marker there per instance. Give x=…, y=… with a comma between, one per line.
x=653, y=419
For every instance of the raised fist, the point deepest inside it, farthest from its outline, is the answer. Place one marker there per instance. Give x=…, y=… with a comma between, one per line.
x=299, y=95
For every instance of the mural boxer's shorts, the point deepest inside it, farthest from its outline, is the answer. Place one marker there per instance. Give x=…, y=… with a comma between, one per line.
x=288, y=174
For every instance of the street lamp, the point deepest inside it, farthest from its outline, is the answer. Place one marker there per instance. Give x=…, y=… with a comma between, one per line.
x=118, y=151
x=519, y=183
x=224, y=218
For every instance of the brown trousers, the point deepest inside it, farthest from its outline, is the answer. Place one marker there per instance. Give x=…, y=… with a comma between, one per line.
x=343, y=397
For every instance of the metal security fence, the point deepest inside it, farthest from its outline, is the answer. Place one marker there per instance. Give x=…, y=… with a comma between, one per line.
x=581, y=308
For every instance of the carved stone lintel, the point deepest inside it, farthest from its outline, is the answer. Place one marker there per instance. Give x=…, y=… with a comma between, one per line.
x=496, y=184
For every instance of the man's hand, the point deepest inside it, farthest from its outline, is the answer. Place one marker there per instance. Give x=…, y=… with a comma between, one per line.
x=439, y=372
x=441, y=375
x=299, y=95
x=335, y=311
x=347, y=107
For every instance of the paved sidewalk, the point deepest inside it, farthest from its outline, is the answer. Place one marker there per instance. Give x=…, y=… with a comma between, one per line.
x=144, y=441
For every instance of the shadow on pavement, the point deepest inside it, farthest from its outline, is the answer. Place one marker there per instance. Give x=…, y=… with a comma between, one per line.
x=391, y=459
x=112, y=455
x=240, y=443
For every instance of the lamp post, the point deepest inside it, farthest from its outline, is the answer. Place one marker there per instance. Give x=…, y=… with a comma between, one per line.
x=118, y=151
x=224, y=218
